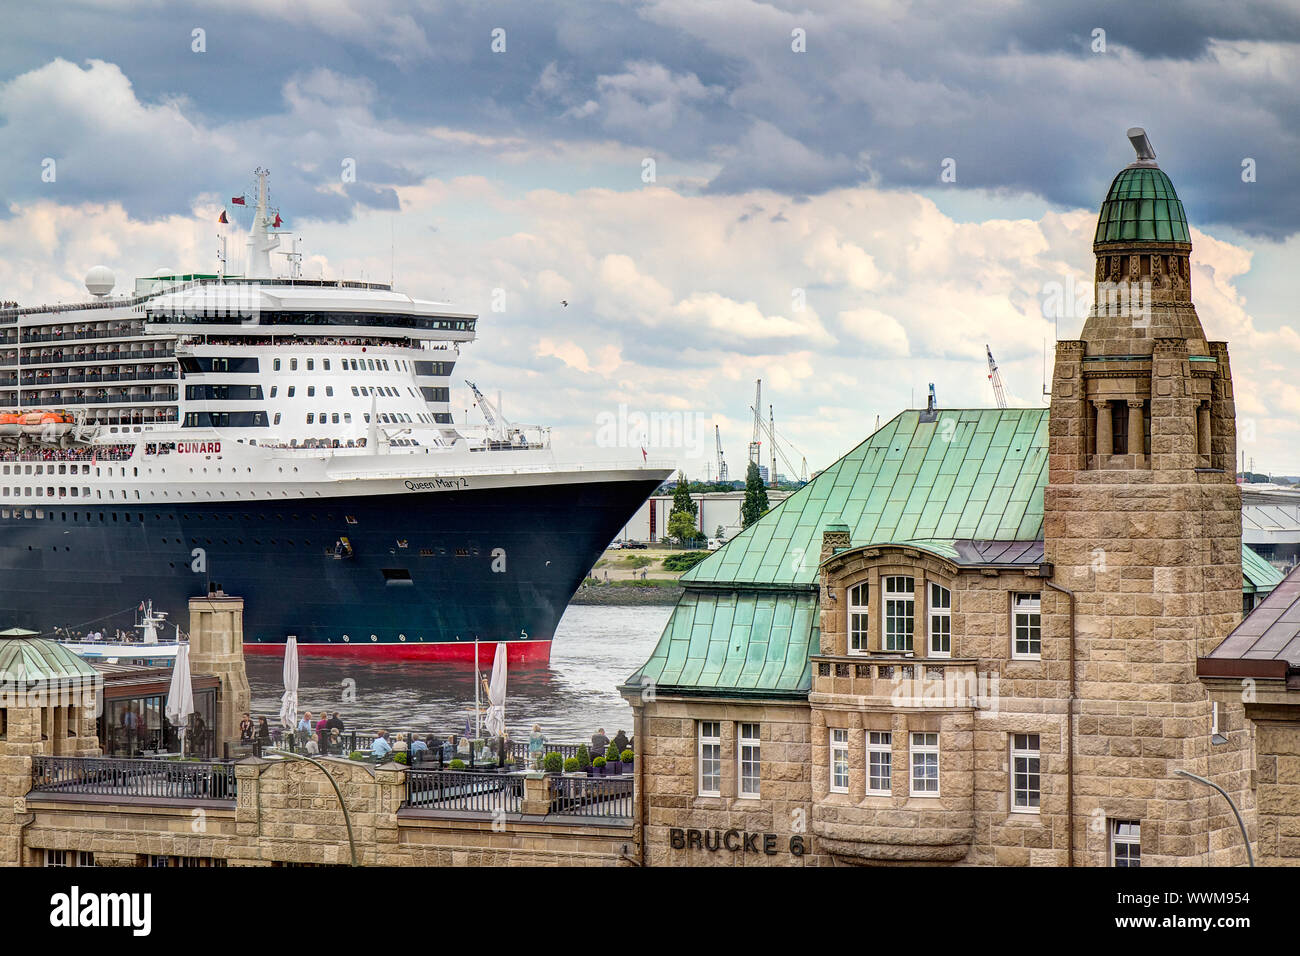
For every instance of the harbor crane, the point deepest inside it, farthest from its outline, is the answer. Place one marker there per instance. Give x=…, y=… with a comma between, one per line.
x=722, y=464
x=996, y=378
x=803, y=467
x=755, y=446
x=496, y=422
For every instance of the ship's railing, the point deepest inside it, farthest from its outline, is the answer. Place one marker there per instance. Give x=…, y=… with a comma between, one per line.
x=461, y=790
x=506, y=468
x=607, y=797
x=123, y=777
x=132, y=354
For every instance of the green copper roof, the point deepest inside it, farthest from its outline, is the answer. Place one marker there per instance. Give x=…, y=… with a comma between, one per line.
x=32, y=659
x=1257, y=575
x=749, y=618
x=736, y=641
x=970, y=474
x=1142, y=206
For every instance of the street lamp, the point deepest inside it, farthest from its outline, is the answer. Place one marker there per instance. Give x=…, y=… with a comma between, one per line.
x=1241, y=823
x=347, y=818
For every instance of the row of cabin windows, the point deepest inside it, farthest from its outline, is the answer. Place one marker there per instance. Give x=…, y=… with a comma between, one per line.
x=898, y=619
x=376, y=391
x=40, y=469
x=348, y=365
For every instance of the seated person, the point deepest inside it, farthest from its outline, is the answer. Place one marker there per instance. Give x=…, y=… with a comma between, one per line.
x=381, y=748
x=419, y=749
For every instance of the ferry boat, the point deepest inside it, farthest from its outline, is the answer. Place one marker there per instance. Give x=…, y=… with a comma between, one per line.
x=290, y=441
x=119, y=646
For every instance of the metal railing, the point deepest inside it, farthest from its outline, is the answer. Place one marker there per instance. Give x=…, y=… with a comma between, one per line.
x=461, y=790
x=140, y=778
x=609, y=797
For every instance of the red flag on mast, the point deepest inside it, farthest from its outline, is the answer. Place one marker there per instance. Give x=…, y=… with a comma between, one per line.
x=238, y=201
x=278, y=222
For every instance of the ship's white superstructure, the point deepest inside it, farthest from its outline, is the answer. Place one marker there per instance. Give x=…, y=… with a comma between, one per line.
x=200, y=391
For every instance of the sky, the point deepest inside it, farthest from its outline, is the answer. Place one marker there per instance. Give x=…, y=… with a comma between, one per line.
x=848, y=201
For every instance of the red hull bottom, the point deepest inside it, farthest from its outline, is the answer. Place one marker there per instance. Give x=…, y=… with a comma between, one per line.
x=536, y=653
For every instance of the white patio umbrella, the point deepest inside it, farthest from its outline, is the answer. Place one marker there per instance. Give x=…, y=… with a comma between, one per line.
x=180, y=695
x=289, y=702
x=496, y=715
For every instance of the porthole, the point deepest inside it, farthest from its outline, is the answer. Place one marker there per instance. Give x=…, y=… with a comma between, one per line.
x=346, y=638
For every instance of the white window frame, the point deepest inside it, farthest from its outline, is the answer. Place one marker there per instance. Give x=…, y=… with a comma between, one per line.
x=748, y=761
x=1131, y=839
x=922, y=747
x=709, y=748
x=891, y=598
x=1029, y=604
x=839, y=750
x=882, y=746
x=1026, y=752
x=939, y=614
x=859, y=618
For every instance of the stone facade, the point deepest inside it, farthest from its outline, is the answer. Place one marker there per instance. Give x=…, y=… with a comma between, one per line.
x=667, y=754
x=288, y=813
x=1139, y=574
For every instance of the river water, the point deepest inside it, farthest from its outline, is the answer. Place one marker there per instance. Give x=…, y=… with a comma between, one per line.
x=595, y=649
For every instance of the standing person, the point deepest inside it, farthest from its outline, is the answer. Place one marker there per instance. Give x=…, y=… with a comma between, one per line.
x=263, y=731
x=335, y=723
x=246, y=730
x=304, y=727
x=599, y=743
x=536, y=747
x=322, y=726
x=620, y=741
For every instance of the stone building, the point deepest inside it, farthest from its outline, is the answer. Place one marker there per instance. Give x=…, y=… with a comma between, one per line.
x=66, y=805
x=974, y=638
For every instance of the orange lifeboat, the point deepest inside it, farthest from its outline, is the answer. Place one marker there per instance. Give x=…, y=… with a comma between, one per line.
x=46, y=424
x=11, y=424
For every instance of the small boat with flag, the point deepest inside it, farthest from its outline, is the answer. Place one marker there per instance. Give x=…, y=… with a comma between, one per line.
x=147, y=648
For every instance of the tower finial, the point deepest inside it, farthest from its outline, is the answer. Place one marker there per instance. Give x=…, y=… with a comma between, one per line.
x=1146, y=153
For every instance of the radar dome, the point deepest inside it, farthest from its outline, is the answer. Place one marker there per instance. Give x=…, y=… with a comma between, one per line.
x=100, y=281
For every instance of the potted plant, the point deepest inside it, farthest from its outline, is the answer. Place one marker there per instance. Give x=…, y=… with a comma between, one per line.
x=356, y=755
x=584, y=757
x=554, y=763
x=570, y=764
x=612, y=759
x=457, y=764
x=625, y=758
x=598, y=767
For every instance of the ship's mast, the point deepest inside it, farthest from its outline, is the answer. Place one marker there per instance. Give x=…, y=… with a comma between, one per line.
x=260, y=241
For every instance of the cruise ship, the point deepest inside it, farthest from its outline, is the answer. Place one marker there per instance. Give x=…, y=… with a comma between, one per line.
x=289, y=441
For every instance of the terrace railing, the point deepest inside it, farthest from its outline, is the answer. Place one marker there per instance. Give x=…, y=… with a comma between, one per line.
x=459, y=790
x=609, y=797
x=135, y=778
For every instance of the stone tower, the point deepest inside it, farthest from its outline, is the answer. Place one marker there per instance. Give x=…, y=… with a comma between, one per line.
x=1143, y=524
